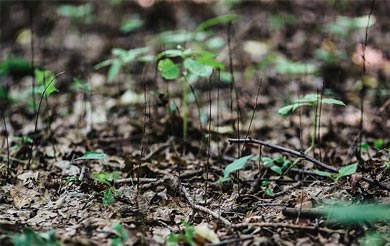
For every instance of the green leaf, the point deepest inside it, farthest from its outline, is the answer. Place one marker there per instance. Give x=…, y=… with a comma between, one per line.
x=171, y=53
x=133, y=54
x=132, y=24
x=379, y=143
x=195, y=67
x=47, y=80
x=364, y=146
x=31, y=238
x=308, y=100
x=122, y=236
x=347, y=170
x=236, y=165
x=267, y=161
x=73, y=11
x=114, y=70
x=105, y=177
x=91, y=155
x=215, y=43
x=108, y=197
x=269, y=192
x=103, y=64
x=276, y=169
x=168, y=69
x=332, y=101
x=176, y=37
x=344, y=25
x=215, y=21
x=286, y=110
x=80, y=84
x=210, y=62
x=357, y=214
x=323, y=173
x=15, y=66
x=285, y=66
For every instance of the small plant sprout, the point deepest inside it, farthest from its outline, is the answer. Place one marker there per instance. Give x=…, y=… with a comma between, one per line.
x=122, y=236
x=193, y=64
x=15, y=67
x=272, y=163
x=343, y=25
x=187, y=236
x=313, y=101
x=131, y=24
x=78, y=14
x=123, y=58
x=46, y=79
x=107, y=179
x=344, y=171
x=31, y=238
x=92, y=155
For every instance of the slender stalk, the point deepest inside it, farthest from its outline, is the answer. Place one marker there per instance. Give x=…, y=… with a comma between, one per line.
x=185, y=108
x=37, y=117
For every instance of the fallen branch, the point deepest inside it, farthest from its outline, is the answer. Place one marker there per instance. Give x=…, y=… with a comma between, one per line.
x=204, y=209
x=304, y=156
x=286, y=225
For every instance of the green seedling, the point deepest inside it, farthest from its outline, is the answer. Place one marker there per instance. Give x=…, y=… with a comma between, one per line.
x=70, y=179
x=132, y=24
x=107, y=179
x=123, y=58
x=21, y=142
x=343, y=25
x=81, y=13
x=201, y=36
x=313, y=101
x=374, y=238
x=277, y=165
x=81, y=85
x=358, y=215
x=191, y=65
x=187, y=236
x=92, y=155
x=379, y=143
x=344, y=171
x=330, y=55
x=46, y=81
x=31, y=238
x=102, y=177
x=268, y=191
x=121, y=238
x=15, y=67
x=285, y=66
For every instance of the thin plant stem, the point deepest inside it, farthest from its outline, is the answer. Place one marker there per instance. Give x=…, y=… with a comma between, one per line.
x=37, y=117
x=185, y=109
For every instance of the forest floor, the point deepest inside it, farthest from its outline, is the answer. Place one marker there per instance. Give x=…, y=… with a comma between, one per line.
x=107, y=157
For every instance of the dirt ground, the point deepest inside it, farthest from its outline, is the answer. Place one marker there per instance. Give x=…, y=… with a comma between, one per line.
x=153, y=181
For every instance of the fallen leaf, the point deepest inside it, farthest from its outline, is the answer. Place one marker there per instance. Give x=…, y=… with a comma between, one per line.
x=203, y=233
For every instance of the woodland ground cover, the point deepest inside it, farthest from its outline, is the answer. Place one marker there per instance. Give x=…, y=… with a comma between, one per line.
x=194, y=122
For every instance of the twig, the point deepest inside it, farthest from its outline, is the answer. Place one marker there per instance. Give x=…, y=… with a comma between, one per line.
x=132, y=180
x=203, y=209
x=232, y=241
x=13, y=159
x=286, y=225
x=306, y=157
x=82, y=173
x=156, y=151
